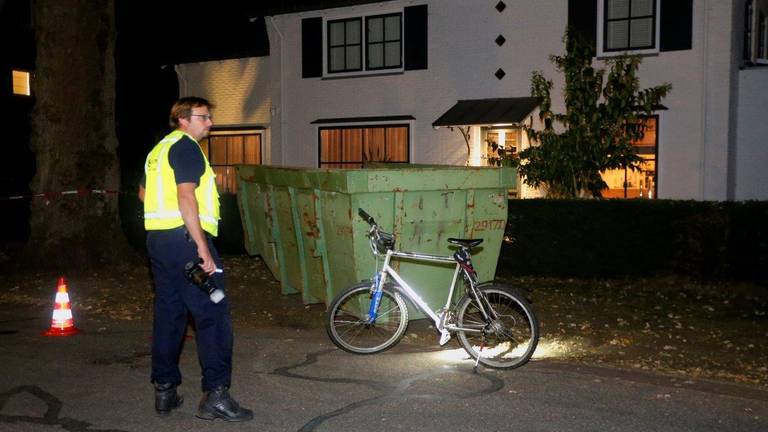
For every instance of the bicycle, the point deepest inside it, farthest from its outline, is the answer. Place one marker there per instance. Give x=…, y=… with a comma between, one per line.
x=495, y=324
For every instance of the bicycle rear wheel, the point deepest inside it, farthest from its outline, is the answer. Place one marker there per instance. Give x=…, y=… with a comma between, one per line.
x=347, y=320
x=509, y=340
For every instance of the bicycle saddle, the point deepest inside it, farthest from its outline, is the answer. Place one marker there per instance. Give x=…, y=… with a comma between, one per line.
x=467, y=243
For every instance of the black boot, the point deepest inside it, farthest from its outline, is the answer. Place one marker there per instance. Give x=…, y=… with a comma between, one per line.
x=166, y=398
x=218, y=404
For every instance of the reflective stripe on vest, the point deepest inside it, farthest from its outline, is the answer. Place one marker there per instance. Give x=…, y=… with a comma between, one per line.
x=161, y=205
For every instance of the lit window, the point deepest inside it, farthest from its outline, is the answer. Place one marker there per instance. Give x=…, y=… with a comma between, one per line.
x=21, y=83
x=640, y=183
x=352, y=147
x=500, y=144
x=225, y=149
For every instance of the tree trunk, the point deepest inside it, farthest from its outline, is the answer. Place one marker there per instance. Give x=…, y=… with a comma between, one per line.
x=73, y=138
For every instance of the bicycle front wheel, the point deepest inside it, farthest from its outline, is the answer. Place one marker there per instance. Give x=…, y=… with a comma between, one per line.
x=350, y=329
x=506, y=338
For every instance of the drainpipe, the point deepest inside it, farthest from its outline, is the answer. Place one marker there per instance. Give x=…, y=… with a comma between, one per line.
x=181, y=78
x=282, y=92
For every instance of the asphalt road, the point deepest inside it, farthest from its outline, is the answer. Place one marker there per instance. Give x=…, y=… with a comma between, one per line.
x=295, y=380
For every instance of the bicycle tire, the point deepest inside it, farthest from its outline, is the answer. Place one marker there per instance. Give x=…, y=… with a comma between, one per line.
x=346, y=326
x=507, y=342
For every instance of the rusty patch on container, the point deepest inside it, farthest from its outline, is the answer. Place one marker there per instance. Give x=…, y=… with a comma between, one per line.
x=310, y=222
x=268, y=210
x=344, y=230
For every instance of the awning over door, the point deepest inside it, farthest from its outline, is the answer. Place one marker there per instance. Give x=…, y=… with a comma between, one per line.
x=488, y=111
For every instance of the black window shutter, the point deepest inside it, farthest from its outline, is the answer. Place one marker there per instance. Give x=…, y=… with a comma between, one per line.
x=312, y=47
x=676, y=23
x=582, y=19
x=415, y=37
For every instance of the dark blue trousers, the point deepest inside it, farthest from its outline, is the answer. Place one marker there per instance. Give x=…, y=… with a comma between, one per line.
x=175, y=299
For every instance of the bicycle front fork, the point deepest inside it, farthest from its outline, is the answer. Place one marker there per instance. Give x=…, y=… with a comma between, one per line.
x=376, y=292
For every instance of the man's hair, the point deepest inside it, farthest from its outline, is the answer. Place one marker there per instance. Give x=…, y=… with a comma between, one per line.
x=183, y=108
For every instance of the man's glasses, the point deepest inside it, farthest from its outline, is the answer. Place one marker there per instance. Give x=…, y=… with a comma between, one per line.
x=204, y=116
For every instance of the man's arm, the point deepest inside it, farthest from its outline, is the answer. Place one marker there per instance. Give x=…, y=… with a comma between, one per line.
x=191, y=217
x=141, y=193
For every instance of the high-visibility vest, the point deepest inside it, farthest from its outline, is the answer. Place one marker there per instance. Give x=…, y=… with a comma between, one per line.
x=161, y=202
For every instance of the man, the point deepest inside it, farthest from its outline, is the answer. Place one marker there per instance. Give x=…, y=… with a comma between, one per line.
x=181, y=214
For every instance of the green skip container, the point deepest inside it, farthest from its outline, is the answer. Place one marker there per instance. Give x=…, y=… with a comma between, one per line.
x=304, y=222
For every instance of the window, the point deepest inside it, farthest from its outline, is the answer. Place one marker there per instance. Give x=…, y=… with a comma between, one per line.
x=627, y=183
x=21, y=84
x=355, y=46
x=344, y=45
x=225, y=149
x=353, y=146
x=383, y=42
x=755, y=32
x=500, y=143
x=762, y=41
x=748, y=13
x=381, y=45
x=628, y=25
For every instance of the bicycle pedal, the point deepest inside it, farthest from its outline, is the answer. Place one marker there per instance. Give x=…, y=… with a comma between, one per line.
x=445, y=336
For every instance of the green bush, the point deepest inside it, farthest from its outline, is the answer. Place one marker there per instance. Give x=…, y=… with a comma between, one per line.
x=613, y=238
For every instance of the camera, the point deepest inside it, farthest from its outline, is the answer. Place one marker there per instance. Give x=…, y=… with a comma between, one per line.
x=195, y=274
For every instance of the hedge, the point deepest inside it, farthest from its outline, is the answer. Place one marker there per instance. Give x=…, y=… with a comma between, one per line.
x=613, y=238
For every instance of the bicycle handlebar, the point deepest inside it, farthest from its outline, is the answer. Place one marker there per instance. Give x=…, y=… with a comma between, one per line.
x=366, y=217
x=380, y=241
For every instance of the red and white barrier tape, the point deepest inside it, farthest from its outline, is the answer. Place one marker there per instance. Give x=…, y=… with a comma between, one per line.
x=51, y=195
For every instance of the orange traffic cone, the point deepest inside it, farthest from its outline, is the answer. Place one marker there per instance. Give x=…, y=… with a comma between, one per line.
x=62, y=323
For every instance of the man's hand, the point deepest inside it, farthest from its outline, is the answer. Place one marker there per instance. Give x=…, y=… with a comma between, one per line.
x=208, y=265
x=190, y=215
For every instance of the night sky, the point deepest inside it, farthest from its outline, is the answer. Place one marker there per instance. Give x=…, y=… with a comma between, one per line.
x=149, y=43
x=150, y=38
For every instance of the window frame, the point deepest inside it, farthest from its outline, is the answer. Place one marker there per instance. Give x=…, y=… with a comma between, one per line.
x=383, y=42
x=602, y=30
x=657, y=118
x=749, y=13
x=346, y=45
x=755, y=32
x=383, y=125
x=761, y=51
x=207, y=149
x=364, y=70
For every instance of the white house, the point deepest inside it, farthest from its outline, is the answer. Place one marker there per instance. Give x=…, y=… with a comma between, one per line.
x=400, y=80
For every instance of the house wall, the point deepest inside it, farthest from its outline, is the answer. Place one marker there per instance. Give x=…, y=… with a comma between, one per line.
x=698, y=134
x=693, y=131
x=750, y=159
x=462, y=60
x=239, y=89
x=752, y=153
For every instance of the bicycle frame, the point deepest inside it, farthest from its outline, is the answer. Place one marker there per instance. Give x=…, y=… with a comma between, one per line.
x=411, y=294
